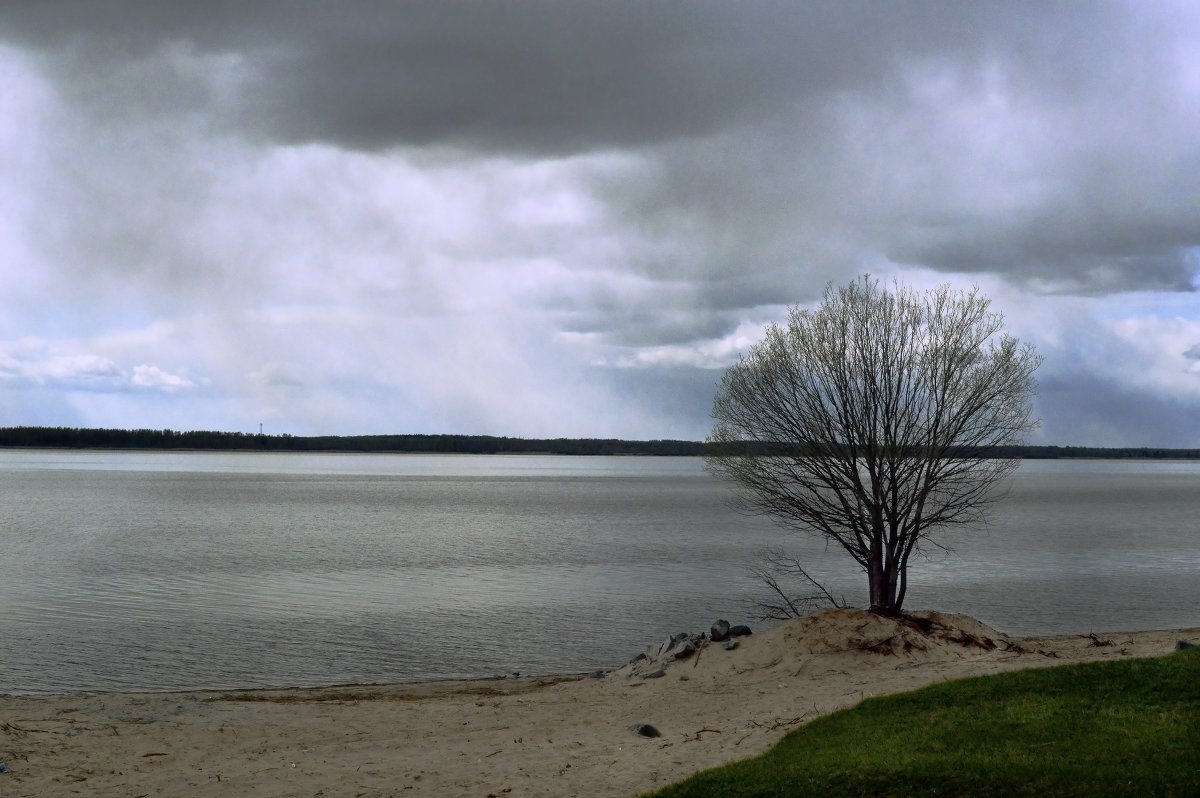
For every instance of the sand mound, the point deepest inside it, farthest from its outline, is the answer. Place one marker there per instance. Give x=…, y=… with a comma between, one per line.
x=935, y=633
x=827, y=636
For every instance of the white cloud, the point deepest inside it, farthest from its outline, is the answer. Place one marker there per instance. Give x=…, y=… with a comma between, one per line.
x=146, y=376
x=32, y=362
x=39, y=364
x=1160, y=354
x=710, y=354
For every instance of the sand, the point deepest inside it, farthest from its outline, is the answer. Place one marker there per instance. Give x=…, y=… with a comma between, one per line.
x=563, y=736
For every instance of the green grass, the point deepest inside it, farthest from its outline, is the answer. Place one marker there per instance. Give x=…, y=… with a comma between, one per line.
x=1129, y=727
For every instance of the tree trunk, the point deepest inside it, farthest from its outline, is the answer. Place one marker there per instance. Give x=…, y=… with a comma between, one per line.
x=884, y=583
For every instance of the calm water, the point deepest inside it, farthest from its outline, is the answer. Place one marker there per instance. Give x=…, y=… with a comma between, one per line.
x=157, y=571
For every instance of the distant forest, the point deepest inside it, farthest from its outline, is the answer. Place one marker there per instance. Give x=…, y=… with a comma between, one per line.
x=71, y=438
x=166, y=439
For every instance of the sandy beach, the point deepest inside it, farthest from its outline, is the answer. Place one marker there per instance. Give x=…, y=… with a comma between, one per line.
x=555, y=736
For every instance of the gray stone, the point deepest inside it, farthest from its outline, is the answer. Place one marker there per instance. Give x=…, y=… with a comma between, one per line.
x=670, y=643
x=646, y=730
x=740, y=630
x=658, y=673
x=730, y=645
x=719, y=631
x=682, y=650
x=1183, y=644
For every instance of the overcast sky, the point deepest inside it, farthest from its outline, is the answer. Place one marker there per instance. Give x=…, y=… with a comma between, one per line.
x=560, y=218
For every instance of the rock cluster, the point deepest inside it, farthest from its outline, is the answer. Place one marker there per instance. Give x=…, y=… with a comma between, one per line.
x=652, y=663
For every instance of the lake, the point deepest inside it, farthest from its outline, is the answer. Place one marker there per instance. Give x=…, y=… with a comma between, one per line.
x=160, y=570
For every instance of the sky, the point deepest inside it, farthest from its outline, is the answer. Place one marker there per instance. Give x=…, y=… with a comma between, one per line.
x=556, y=218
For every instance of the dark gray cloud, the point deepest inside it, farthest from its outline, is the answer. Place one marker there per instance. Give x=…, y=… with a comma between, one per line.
x=519, y=76
x=1047, y=142
x=542, y=75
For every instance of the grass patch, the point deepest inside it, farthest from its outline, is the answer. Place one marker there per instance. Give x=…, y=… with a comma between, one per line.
x=1129, y=727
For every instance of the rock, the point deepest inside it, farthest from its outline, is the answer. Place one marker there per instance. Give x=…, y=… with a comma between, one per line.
x=658, y=673
x=719, y=631
x=670, y=643
x=730, y=645
x=596, y=675
x=646, y=730
x=682, y=650
x=741, y=630
x=1183, y=644
x=639, y=658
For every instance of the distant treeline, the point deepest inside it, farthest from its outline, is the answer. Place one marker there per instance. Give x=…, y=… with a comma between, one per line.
x=72, y=438
x=75, y=438
x=1098, y=452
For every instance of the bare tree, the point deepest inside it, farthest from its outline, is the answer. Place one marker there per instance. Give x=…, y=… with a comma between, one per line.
x=875, y=420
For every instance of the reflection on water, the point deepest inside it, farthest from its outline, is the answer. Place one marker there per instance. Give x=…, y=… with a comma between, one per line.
x=164, y=570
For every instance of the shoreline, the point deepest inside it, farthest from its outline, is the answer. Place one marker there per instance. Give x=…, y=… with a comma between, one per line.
x=558, y=735
x=500, y=677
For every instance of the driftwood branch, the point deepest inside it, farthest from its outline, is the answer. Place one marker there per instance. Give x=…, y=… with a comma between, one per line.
x=781, y=604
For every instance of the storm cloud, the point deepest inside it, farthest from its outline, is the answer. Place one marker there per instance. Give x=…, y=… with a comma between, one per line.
x=561, y=218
